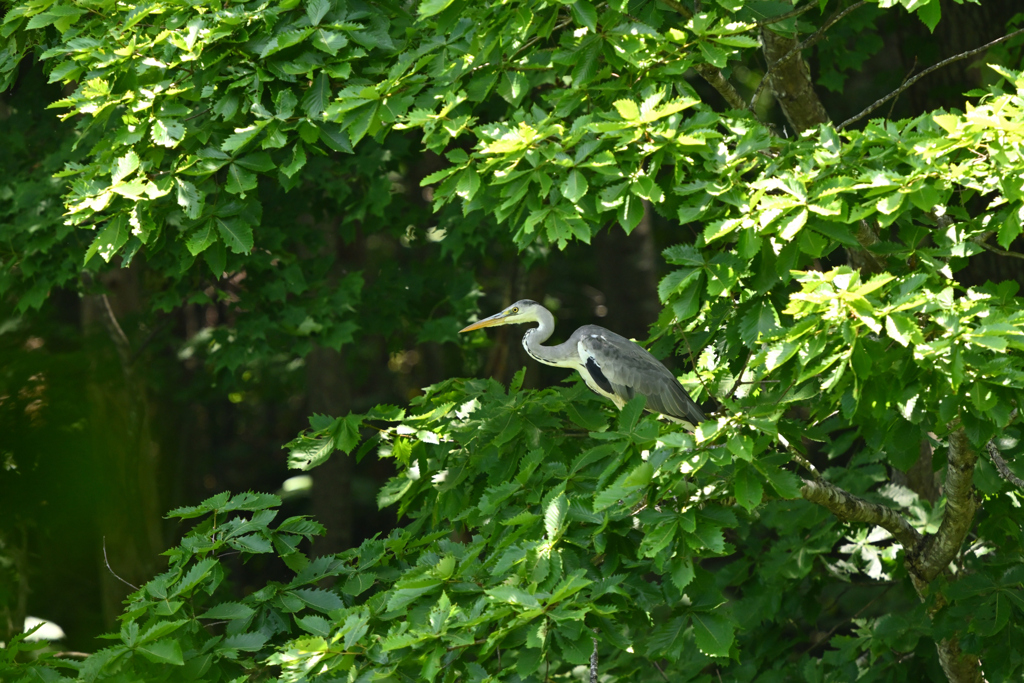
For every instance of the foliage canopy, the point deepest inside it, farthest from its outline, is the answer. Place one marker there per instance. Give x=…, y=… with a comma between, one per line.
x=824, y=294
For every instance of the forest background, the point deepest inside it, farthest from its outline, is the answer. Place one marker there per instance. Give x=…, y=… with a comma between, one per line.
x=222, y=224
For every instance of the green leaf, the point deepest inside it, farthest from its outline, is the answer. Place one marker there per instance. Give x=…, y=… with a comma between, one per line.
x=109, y=241
x=316, y=9
x=167, y=132
x=189, y=198
x=627, y=109
x=202, y=238
x=167, y=651
x=930, y=13
x=631, y=413
x=785, y=483
x=317, y=97
x=631, y=211
x=237, y=235
x=575, y=186
x=681, y=571
x=513, y=596
x=319, y=599
x=747, y=487
x=584, y=14
x=228, y=610
x=240, y=180
x=714, y=634
x=554, y=516
x=429, y=8
x=248, y=642
x=760, y=321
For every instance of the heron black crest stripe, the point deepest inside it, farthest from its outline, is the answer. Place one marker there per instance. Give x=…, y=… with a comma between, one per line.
x=595, y=371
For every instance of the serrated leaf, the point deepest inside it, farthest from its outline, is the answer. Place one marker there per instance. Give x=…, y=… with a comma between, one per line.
x=201, y=239
x=237, y=235
x=110, y=239
x=681, y=571
x=584, y=14
x=188, y=198
x=319, y=599
x=747, y=487
x=785, y=483
x=760, y=321
x=228, y=610
x=248, y=642
x=513, y=596
x=167, y=132
x=316, y=9
x=575, y=186
x=167, y=651
x=315, y=624
x=124, y=167
x=429, y=8
x=554, y=516
x=714, y=634
x=240, y=180
x=627, y=109
x=317, y=96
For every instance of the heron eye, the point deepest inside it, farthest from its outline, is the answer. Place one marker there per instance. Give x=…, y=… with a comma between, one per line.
x=515, y=309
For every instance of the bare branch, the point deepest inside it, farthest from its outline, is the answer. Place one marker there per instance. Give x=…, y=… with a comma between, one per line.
x=850, y=508
x=915, y=79
x=593, y=662
x=1004, y=470
x=939, y=549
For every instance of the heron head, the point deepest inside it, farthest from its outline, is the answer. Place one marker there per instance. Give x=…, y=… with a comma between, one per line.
x=522, y=311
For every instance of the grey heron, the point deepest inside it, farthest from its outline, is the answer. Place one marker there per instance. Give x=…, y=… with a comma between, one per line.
x=610, y=364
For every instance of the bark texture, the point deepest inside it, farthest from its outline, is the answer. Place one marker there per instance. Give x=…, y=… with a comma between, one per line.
x=791, y=84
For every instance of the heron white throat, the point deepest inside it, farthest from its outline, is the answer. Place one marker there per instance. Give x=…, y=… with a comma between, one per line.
x=610, y=364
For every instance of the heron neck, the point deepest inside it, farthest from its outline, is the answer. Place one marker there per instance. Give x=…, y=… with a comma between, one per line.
x=562, y=355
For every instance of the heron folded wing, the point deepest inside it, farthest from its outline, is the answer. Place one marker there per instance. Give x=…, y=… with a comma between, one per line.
x=630, y=369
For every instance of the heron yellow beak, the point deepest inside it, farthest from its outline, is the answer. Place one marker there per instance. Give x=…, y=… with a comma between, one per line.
x=496, y=319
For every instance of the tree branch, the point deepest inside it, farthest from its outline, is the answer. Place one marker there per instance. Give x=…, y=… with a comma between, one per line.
x=782, y=17
x=924, y=73
x=811, y=40
x=939, y=549
x=679, y=7
x=850, y=508
x=716, y=80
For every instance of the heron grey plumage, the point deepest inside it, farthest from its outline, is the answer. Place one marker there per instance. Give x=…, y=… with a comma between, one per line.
x=610, y=364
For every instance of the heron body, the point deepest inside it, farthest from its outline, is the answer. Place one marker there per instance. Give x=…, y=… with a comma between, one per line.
x=610, y=364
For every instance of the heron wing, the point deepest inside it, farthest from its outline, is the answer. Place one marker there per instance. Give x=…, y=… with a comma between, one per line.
x=624, y=368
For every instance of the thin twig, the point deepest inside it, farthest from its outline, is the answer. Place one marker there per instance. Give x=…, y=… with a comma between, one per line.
x=660, y=670
x=111, y=570
x=739, y=376
x=828, y=635
x=113, y=321
x=811, y=40
x=1001, y=252
x=924, y=73
x=913, y=67
x=782, y=17
x=682, y=9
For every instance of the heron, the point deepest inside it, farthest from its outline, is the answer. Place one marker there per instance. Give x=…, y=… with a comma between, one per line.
x=611, y=365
